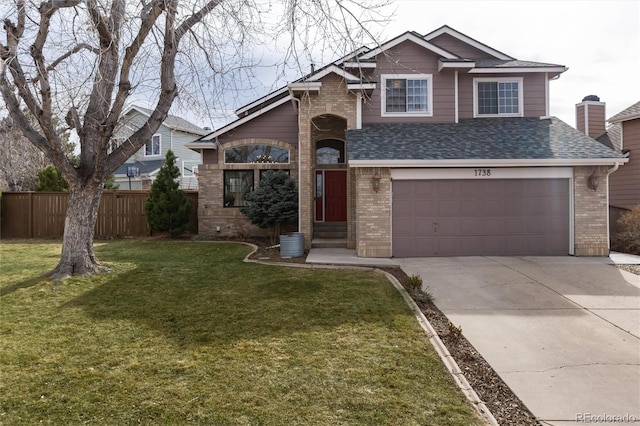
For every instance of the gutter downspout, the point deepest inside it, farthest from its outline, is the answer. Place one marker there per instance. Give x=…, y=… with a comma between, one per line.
x=297, y=107
x=611, y=170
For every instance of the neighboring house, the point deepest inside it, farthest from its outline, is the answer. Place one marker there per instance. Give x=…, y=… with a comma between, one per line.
x=622, y=134
x=427, y=145
x=172, y=134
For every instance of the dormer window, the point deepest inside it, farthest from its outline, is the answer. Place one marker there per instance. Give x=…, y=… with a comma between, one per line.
x=497, y=97
x=407, y=95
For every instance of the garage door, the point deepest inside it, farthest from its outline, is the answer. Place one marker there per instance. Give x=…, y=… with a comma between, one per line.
x=501, y=217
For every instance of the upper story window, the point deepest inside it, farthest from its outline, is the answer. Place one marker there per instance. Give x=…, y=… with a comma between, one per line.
x=153, y=146
x=407, y=95
x=256, y=154
x=497, y=97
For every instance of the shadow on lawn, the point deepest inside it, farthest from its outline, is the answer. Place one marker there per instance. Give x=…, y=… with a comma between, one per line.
x=222, y=309
x=23, y=284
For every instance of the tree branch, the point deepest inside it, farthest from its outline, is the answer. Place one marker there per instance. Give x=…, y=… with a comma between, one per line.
x=153, y=11
x=99, y=23
x=195, y=18
x=77, y=48
x=51, y=148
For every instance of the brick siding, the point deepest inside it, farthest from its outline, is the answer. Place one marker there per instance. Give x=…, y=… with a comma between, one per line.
x=212, y=215
x=373, y=218
x=590, y=214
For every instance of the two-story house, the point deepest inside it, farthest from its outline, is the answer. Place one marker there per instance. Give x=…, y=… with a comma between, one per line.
x=139, y=171
x=426, y=145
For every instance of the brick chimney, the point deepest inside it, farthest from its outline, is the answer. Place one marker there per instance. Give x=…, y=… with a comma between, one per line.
x=590, y=116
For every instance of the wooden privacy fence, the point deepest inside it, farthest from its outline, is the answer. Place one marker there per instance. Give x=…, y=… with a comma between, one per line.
x=42, y=214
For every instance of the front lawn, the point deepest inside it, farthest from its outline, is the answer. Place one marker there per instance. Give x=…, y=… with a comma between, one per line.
x=186, y=333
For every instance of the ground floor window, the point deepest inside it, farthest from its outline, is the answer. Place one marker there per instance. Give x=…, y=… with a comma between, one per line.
x=237, y=184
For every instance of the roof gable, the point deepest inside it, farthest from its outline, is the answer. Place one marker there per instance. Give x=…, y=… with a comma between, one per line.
x=414, y=38
x=172, y=122
x=445, y=29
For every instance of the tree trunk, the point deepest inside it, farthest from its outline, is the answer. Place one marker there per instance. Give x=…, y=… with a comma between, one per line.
x=77, y=242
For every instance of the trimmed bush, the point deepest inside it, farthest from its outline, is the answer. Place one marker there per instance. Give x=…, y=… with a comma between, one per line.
x=273, y=203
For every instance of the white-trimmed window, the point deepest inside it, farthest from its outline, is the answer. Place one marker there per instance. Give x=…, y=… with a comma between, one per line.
x=407, y=95
x=153, y=148
x=189, y=168
x=497, y=97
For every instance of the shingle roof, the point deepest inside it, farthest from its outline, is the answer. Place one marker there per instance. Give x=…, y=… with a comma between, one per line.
x=144, y=166
x=612, y=137
x=485, y=139
x=632, y=112
x=497, y=63
x=175, y=122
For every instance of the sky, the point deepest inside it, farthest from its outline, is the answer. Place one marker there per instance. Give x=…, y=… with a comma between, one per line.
x=599, y=42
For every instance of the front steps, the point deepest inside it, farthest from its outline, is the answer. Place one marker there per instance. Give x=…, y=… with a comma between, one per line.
x=329, y=235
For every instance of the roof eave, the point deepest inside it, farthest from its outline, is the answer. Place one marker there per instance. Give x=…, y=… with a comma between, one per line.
x=512, y=70
x=625, y=118
x=456, y=65
x=361, y=86
x=196, y=146
x=545, y=162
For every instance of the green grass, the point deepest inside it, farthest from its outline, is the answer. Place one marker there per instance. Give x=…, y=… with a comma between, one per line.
x=186, y=333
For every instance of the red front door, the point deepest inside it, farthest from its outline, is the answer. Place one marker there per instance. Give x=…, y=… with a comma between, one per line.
x=335, y=196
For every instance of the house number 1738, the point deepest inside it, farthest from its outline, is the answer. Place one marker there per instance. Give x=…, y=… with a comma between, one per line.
x=483, y=172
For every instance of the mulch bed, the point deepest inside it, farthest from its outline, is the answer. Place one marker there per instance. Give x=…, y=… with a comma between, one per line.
x=505, y=406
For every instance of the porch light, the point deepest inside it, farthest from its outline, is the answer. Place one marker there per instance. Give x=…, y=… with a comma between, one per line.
x=375, y=181
x=594, y=180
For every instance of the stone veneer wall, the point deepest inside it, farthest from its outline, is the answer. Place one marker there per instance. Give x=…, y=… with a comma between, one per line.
x=590, y=213
x=211, y=211
x=373, y=217
x=333, y=99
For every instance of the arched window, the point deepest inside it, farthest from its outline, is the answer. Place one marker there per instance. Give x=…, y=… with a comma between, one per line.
x=330, y=151
x=254, y=154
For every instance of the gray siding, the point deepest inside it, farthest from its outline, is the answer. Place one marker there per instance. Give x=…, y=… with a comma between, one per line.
x=624, y=184
x=169, y=139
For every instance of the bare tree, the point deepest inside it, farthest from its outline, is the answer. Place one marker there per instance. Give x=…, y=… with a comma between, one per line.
x=80, y=61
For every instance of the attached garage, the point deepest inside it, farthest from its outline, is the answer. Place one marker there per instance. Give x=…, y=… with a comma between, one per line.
x=494, y=217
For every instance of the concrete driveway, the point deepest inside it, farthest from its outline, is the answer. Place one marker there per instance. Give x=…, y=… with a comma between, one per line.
x=562, y=332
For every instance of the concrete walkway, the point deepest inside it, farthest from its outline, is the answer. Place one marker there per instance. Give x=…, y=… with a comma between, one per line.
x=562, y=332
